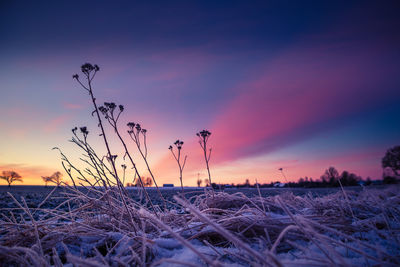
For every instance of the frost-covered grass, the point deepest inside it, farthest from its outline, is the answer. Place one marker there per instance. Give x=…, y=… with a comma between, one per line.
x=92, y=227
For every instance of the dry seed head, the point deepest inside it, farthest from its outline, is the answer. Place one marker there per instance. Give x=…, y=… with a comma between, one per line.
x=131, y=125
x=84, y=130
x=87, y=68
x=103, y=110
x=204, y=133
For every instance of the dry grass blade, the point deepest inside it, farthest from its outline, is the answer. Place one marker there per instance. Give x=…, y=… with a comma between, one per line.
x=227, y=235
x=179, y=238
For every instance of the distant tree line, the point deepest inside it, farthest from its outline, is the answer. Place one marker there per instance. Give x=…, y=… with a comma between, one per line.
x=332, y=178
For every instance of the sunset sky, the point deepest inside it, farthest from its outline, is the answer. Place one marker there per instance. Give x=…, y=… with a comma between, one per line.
x=298, y=85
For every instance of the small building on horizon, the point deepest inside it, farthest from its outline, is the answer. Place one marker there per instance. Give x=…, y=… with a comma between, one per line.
x=168, y=185
x=278, y=184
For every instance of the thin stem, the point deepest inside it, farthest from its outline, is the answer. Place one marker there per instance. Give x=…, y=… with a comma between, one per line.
x=106, y=143
x=207, y=159
x=178, y=144
x=134, y=165
x=137, y=142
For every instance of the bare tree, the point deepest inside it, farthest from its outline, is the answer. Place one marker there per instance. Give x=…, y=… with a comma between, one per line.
x=56, y=178
x=148, y=181
x=178, y=144
x=46, y=180
x=392, y=159
x=330, y=176
x=11, y=177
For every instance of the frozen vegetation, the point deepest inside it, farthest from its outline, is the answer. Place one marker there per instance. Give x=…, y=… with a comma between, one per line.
x=71, y=227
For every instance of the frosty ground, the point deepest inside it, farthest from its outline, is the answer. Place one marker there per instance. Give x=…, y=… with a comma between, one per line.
x=35, y=194
x=238, y=227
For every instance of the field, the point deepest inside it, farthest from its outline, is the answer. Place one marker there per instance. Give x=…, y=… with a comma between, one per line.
x=238, y=227
x=34, y=195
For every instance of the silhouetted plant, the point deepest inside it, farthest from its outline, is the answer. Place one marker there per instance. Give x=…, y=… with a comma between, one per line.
x=203, y=139
x=11, y=177
x=100, y=170
x=112, y=115
x=89, y=71
x=135, y=131
x=178, y=144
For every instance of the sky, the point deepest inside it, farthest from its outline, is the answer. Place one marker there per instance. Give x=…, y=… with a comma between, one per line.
x=298, y=85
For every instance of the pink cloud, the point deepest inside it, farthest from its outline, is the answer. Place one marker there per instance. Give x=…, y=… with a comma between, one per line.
x=72, y=106
x=301, y=89
x=54, y=124
x=297, y=93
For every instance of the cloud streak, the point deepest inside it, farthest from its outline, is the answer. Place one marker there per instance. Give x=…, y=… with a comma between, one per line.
x=54, y=124
x=300, y=92
x=303, y=92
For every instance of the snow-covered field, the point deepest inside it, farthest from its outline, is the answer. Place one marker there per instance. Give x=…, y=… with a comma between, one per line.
x=278, y=227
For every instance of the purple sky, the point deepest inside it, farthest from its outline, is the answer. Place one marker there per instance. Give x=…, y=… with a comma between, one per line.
x=299, y=85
